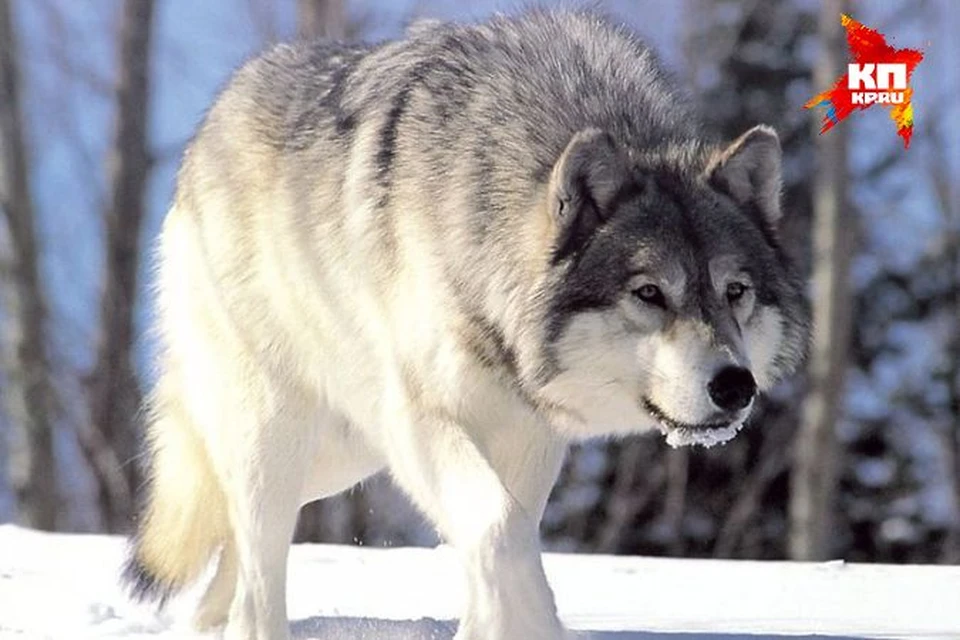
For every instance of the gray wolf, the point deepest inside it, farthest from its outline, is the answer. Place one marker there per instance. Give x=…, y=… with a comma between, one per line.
x=446, y=256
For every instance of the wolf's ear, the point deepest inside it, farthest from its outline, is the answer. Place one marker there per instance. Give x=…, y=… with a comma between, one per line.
x=585, y=182
x=748, y=170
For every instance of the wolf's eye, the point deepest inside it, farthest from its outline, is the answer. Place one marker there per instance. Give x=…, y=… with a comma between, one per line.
x=735, y=291
x=651, y=294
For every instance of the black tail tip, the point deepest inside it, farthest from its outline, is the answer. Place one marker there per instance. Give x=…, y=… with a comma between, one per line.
x=142, y=585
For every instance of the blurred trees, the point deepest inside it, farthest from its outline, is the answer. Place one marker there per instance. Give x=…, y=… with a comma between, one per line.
x=108, y=436
x=28, y=391
x=898, y=478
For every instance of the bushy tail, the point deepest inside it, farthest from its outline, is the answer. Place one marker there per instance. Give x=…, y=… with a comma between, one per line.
x=183, y=519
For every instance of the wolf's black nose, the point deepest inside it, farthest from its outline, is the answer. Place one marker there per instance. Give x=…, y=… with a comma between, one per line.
x=732, y=388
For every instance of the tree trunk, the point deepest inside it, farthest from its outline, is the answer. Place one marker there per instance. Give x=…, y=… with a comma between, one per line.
x=28, y=390
x=814, y=475
x=115, y=395
x=322, y=19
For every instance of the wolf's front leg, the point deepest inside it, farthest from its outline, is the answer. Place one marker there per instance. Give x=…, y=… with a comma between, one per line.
x=507, y=591
x=440, y=464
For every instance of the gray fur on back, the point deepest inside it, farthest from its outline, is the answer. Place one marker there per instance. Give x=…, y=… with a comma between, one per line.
x=520, y=86
x=472, y=117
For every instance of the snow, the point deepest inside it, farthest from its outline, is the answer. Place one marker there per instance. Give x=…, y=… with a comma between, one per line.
x=684, y=436
x=64, y=586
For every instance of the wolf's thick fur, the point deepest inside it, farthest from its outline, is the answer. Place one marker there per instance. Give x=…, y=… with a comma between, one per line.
x=446, y=256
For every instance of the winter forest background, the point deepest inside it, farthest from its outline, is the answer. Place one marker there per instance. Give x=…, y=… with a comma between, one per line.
x=857, y=459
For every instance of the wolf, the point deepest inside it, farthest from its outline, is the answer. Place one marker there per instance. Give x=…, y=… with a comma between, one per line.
x=447, y=256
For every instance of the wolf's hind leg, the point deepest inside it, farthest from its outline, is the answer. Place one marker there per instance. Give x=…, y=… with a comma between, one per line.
x=215, y=605
x=263, y=498
x=265, y=436
x=342, y=459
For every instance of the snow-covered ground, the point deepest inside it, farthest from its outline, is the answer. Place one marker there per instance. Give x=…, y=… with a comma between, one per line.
x=65, y=586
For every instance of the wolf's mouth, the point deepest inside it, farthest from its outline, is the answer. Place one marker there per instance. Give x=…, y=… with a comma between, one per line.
x=670, y=423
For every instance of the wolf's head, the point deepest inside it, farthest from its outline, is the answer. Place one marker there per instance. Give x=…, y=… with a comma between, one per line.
x=669, y=301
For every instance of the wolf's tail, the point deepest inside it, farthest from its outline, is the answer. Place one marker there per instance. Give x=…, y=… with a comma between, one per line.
x=183, y=516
